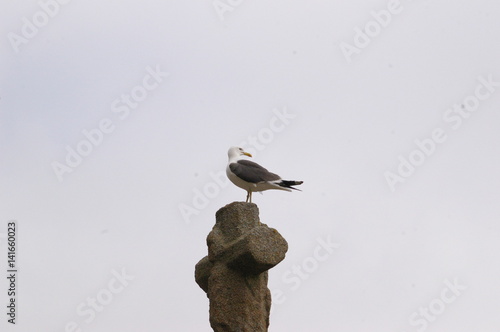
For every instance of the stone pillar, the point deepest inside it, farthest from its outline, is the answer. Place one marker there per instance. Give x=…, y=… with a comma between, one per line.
x=234, y=274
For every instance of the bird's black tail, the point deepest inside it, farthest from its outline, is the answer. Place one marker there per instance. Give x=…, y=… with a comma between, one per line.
x=289, y=184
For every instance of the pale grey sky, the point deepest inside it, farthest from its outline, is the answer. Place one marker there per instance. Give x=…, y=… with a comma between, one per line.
x=116, y=117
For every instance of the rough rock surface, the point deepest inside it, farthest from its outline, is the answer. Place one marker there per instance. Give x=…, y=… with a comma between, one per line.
x=234, y=274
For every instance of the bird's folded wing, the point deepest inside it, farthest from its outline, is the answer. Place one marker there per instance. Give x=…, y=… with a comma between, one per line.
x=252, y=172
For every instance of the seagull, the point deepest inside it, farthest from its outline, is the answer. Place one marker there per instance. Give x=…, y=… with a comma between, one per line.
x=251, y=176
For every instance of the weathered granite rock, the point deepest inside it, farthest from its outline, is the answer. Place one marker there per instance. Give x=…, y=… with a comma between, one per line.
x=234, y=274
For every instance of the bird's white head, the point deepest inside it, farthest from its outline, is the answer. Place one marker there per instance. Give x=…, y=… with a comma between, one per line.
x=235, y=152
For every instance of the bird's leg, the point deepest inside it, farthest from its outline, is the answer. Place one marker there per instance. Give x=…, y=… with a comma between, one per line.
x=248, y=196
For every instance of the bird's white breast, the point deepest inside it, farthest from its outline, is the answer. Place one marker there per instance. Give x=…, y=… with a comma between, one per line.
x=239, y=182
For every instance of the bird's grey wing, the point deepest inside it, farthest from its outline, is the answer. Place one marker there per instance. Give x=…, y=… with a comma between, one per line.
x=252, y=172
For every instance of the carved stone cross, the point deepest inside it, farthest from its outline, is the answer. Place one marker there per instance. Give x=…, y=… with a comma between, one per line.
x=234, y=274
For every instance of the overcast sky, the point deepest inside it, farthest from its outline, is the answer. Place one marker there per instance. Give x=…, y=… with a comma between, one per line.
x=116, y=118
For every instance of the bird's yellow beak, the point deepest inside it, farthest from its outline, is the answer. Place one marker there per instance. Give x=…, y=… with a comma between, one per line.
x=247, y=154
